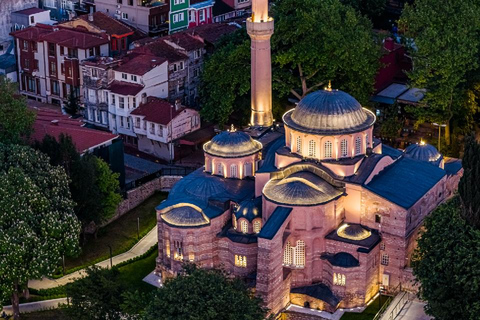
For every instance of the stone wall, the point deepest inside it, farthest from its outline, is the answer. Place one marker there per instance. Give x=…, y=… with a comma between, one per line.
x=6, y=9
x=136, y=196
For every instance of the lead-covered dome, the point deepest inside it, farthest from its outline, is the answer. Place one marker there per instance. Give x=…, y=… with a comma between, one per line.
x=232, y=144
x=328, y=112
x=353, y=232
x=185, y=215
x=424, y=152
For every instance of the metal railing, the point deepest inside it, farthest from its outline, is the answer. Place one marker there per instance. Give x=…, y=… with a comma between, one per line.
x=397, y=308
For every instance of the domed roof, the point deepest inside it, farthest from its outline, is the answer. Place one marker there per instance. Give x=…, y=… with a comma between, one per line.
x=353, y=232
x=424, y=152
x=249, y=209
x=232, y=144
x=204, y=188
x=301, y=189
x=329, y=112
x=342, y=259
x=185, y=215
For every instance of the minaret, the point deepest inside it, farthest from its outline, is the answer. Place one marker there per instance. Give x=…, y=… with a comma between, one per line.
x=260, y=29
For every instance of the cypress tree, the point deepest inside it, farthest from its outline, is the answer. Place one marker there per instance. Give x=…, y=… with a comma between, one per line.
x=469, y=186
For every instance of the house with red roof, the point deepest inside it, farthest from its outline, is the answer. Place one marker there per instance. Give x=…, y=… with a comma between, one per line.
x=48, y=58
x=159, y=123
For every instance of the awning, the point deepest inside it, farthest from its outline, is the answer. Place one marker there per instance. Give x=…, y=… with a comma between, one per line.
x=397, y=92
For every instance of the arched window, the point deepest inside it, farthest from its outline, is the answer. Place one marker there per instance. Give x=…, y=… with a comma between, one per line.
x=191, y=256
x=339, y=279
x=358, y=145
x=219, y=169
x=240, y=261
x=367, y=141
x=312, y=148
x=328, y=149
x=248, y=169
x=291, y=141
x=344, y=148
x=257, y=225
x=343, y=280
x=244, y=226
x=335, y=280
x=300, y=254
x=287, y=254
x=234, y=221
x=167, y=247
x=299, y=144
x=233, y=171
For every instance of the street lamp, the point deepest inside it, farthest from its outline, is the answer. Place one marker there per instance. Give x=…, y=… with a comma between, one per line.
x=440, y=126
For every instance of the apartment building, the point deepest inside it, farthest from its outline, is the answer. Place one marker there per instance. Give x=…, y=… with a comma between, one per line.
x=49, y=58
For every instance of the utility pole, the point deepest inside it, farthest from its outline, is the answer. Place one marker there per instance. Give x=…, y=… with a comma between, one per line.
x=111, y=259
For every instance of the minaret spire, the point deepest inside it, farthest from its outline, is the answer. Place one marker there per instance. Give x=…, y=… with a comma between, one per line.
x=260, y=30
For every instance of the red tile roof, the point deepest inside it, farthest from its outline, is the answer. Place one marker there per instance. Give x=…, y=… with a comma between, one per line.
x=157, y=110
x=213, y=32
x=160, y=49
x=185, y=41
x=55, y=123
x=33, y=33
x=73, y=38
x=108, y=24
x=139, y=64
x=125, y=88
x=30, y=11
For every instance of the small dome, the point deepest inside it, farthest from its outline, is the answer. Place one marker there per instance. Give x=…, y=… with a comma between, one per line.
x=343, y=259
x=301, y=189
x=232, y=144
x=353, y=232
x=329, y=112
x=424, y=152
x=204, y=188
x=249, y=209
x=185, y=215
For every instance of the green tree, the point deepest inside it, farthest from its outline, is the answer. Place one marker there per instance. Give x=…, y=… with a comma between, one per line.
x=109, y=188
x=71, y=107
x=16, y=119
x=225, y=80
x=445, y=51
x=369, y=8
x=447, y=263
x=317, y=41
x=207, y=295
x=469, y=188
x=37, y=221
x=61, y=153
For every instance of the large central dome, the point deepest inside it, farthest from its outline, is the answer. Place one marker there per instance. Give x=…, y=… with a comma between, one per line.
x=329, y=112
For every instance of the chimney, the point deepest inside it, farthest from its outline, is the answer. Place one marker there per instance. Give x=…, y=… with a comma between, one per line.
x=178, y=105
x=389, y=44
x=90, y=15
x=144, y=98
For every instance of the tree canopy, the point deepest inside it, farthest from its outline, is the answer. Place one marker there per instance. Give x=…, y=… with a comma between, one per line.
x=37, y=221
x=369, y=8
x=16, y=119
x=447, y=264
x=207, y=295
x=468, y=187
x=446, y=40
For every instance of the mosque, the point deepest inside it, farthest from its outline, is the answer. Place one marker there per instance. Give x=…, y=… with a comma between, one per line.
x=323, y=217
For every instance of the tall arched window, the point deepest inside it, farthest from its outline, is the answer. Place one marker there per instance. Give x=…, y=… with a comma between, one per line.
x=244, y=226
x=233, y=171
x=312, y=148
x=257, y=225
x=247, y=169
x=344, y=148
x=358, y=145
x=287, y=254
x=234, y=221
x=167, y=247
x=291, y=141
x=328, y=149
x=367, y=141
x=300, y=254
x=299, y=144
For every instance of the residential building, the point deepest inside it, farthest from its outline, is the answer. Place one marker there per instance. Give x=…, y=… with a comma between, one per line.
x=178, y=15
x=120, y=35
x=28, y=17
x=49, y=59
x=200, y=12
x=224, y=10
x=177, y=65
x=137, y=77
x=61, y=10
x=6, y=9
x=158, y=123
x=150, y=16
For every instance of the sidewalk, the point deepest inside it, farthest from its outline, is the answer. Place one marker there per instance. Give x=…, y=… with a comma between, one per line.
x=140, y=248
x=413, y=311
x=37, y=306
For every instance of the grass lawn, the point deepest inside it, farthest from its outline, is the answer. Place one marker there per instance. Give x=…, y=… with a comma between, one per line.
x=367, y=314
x=121, y=234
x=132, y=274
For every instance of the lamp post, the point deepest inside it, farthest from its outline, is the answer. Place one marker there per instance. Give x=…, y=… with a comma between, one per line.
x=440, y=126
x=111, y=260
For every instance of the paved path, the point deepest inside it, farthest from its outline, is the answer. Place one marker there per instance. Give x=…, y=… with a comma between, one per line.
x=140, y=248
x=36, y=306
x=413, y=310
